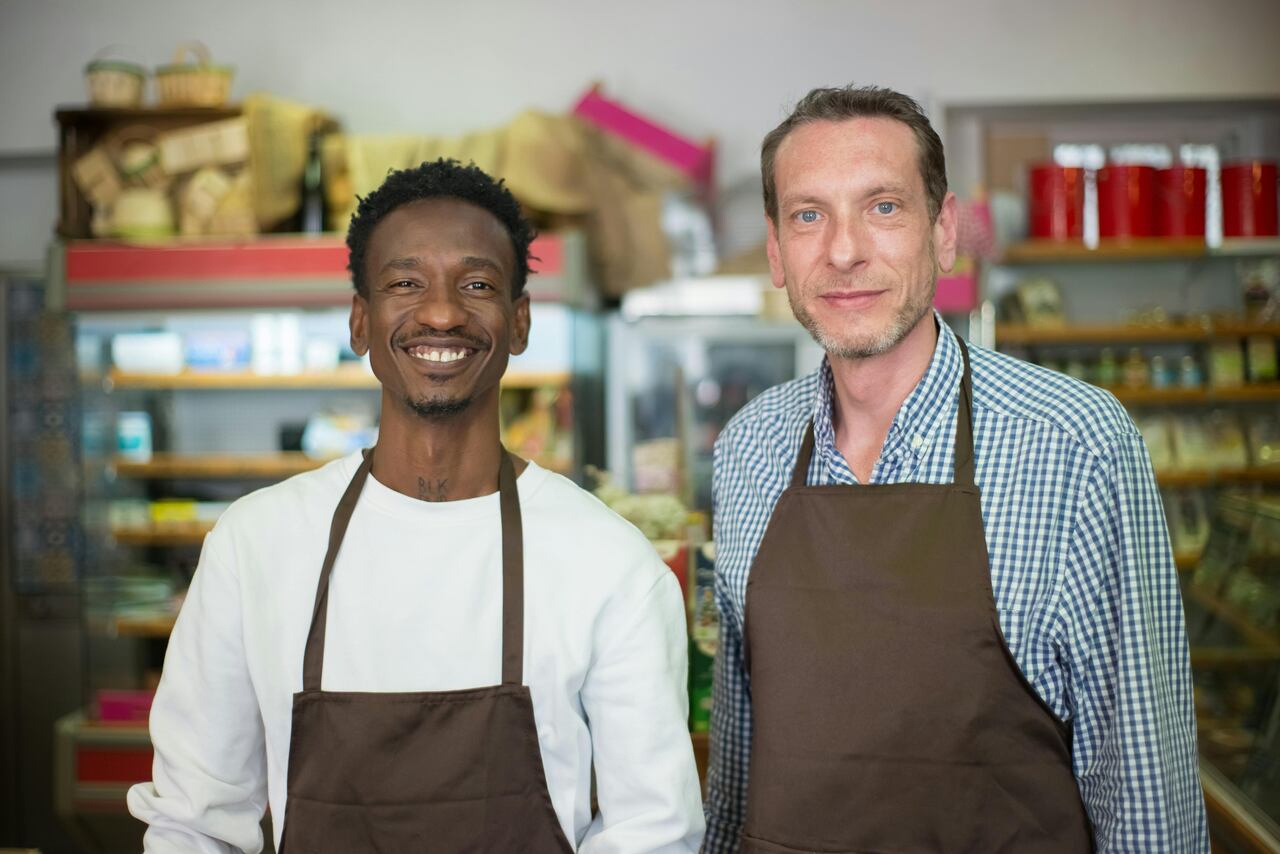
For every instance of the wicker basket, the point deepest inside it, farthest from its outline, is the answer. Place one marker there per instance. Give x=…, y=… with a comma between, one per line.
x=193, y=84
x=114, y=83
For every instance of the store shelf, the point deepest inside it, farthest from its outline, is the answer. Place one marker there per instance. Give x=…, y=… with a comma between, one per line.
x=1259, y=639
x=269, y=271
x=1259, y=393
x=157, y=626
x=339, y=379
x=1207, y=477
x=1041, y=336
x=1022, y=335
x=256, y=466
x=1246, y=246
x=1135, y=249
x=164, y=534
x=1224, y=657
x=243, y=466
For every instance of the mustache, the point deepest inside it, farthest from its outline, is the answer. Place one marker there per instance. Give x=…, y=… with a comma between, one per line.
x=425, y=334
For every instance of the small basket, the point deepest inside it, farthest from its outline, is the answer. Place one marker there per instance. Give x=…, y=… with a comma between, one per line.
x=193, y=84
x=114, y=83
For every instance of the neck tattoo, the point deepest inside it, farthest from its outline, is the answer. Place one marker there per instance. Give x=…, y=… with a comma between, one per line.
x=433, y=490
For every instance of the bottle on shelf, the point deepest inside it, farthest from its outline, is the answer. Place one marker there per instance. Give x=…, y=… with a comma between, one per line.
x=1136, y=373
x=1108, y=369
x=311, y=199
x=1189, y=375
x=1161, y=374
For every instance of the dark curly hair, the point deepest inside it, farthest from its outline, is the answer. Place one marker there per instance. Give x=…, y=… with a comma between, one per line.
x=443, y=178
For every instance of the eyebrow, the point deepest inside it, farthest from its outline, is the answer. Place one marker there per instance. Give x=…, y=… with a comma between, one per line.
x=413, y=262
x=879, y=189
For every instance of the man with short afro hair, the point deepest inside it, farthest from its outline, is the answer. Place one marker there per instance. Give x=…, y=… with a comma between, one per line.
x=430, y=645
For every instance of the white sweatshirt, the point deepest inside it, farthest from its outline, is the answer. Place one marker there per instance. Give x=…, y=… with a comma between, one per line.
x=415, y=605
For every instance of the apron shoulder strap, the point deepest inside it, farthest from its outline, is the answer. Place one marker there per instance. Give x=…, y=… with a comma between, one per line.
x=800, y=476
x=964, y=423
x=512, y=575
x=313, y=659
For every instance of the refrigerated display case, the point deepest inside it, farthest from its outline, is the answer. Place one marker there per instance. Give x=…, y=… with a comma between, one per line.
x=674, y=383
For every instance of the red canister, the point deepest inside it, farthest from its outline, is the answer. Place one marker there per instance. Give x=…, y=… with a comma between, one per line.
x=1249, y=199
x=1057, y=202
x=1126, y=201
x=1180, y=201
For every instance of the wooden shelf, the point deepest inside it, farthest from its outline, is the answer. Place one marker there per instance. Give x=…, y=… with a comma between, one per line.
x=339, y=379
x=165, y=534
x=254, y=466
x=276, y=466
x=1136, y=249
x=158, y=626
x=1022, y=335
x=1258, y=393
x=1018, y=334
x=1204, y=478
x=1260, y=639
x=1224, y=657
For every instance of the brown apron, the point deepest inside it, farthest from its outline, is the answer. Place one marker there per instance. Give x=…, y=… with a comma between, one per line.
x=439, y=771
x=889, y=714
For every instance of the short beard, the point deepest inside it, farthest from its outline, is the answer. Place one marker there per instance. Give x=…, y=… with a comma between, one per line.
x=438, y=409
x=903, y=322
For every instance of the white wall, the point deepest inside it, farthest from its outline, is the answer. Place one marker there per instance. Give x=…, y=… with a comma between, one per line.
x=706, y=67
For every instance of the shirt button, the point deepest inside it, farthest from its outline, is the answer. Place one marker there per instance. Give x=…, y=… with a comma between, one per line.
x=917, y=442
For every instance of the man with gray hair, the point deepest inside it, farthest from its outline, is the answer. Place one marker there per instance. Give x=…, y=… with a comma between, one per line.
x=950, y=617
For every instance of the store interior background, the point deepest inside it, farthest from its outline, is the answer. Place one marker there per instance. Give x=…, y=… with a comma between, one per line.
x=719, y=69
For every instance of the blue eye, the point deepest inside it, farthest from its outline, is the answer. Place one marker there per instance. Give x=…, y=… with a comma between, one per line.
x=886, y=207
x=808, y=216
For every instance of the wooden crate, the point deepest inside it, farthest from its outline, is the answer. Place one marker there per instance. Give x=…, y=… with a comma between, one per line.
x=80, y=129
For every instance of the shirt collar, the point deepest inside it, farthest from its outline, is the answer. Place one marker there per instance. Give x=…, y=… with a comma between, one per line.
x=921, y=415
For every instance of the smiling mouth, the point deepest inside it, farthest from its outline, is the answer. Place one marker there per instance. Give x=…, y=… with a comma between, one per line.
x=440, y=355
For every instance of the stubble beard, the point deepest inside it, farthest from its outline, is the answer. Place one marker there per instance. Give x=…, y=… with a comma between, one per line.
x=872, y=344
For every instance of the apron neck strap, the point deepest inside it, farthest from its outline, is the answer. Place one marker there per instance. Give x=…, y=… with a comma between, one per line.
x=964, y=434
x=512, y=576
x=964, y=423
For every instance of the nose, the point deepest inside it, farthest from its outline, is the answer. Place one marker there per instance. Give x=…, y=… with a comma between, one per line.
x=847, y=243
x=440, y=307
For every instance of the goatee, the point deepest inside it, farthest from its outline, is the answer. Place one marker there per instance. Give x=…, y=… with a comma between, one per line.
x=436, y=409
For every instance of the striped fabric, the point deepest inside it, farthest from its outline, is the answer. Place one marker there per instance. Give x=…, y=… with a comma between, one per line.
x=1083, y=575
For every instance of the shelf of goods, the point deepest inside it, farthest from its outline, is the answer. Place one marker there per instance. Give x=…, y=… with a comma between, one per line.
x=1232, y=601
x=1203, y=392
x=111, y=288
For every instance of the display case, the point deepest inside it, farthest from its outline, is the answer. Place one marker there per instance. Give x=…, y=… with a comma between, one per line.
x=1232, y=600
x=676, y=381
x=208, y=370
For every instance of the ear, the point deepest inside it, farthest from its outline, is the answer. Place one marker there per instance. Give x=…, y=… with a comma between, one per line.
x=774, y=252
x=520, y=325
x=359, y=323
x=944, y=233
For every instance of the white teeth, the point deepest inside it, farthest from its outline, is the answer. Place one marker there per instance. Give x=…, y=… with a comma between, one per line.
x=430, y=354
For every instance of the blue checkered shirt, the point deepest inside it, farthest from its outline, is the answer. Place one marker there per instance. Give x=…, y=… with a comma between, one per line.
x=1083, y=575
